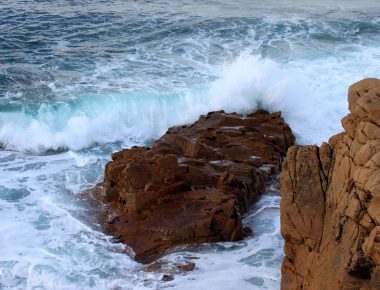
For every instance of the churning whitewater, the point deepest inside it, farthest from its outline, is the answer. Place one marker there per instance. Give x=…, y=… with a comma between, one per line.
x=82, y=79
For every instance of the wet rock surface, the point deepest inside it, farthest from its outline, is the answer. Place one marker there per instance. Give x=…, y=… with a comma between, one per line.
x=330, y=207
x=195, y=182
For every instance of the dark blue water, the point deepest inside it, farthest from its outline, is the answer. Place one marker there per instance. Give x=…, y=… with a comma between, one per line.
x=81, y=79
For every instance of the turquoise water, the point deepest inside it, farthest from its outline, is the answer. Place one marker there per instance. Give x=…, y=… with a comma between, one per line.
x=82, y=79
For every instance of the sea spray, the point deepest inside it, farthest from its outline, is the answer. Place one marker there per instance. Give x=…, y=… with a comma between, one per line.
x=243, y=85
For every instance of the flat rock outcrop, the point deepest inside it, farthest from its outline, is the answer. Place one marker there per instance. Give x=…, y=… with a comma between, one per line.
x=195, y=182
x=330, y=207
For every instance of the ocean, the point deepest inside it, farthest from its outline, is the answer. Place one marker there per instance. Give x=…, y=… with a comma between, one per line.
x=80, y=79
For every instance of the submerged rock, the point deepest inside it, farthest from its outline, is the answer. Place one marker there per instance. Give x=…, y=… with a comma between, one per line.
x=330, y=207
x=195, y=182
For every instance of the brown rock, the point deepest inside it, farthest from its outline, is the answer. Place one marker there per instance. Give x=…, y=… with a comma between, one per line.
x=167, y=278
x=195, y=182
x=187, y=267
x=331, y=203
x=169, y=267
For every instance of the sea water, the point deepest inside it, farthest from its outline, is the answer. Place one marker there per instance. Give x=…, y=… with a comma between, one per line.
x=82, y=79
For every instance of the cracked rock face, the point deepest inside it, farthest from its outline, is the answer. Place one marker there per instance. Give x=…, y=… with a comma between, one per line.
x=330, y=207
x=195, y=182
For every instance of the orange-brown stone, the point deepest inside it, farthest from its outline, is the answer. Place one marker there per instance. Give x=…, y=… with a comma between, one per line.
x=331, y=203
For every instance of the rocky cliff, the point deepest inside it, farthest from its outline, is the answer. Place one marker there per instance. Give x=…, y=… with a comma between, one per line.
x=330, y=208
x=195, y=182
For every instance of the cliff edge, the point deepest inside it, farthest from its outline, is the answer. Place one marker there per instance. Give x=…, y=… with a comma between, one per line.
x=330, y=207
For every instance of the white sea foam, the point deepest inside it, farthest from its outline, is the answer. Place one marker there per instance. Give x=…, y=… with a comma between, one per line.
x=44, y=242
x=311, y=95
